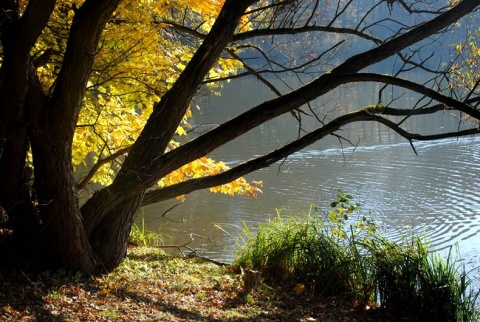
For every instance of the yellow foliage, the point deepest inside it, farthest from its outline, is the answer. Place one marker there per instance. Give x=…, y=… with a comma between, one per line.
x=207, y=166
x=465, y=73
x=138, y=61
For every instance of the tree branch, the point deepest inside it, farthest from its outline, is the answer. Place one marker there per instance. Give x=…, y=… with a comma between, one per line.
x=130, y=184
x=70, y=85
x=447, y=100
x=277, y=32
x=362, y=115
x=323, y=84
x=34, y=21
x=411, y=37
x=83, y=183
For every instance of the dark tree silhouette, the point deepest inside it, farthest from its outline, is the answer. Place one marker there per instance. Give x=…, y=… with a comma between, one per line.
x=343, y=40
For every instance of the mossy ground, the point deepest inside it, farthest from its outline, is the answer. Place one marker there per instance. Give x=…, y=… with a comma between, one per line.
x=150, y=286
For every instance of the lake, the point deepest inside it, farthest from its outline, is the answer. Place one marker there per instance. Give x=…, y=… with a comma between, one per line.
x=436, y=193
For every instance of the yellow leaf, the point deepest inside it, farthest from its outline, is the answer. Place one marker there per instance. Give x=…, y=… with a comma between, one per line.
x=299, y=288
x=181, y=131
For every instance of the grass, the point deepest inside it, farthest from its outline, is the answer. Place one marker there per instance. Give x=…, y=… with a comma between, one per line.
x=296, y=251
x=140, y=236
x=319, y=268
x=340, y=255
x=410, y=278
x=150, y=286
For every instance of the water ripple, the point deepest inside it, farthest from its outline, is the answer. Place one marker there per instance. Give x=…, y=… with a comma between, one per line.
x=435, y=194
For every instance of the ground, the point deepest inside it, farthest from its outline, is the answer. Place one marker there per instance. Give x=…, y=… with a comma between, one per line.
x=150, y=286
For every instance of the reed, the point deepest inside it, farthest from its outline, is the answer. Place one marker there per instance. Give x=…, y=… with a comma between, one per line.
x=411, y=280
x=337, y=255
x=298, y=252
x=140, y=236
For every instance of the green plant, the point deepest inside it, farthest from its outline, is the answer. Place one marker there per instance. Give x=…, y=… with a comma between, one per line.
x=411, y=280
x=445, y=290
x=140, y=236
x=396, y=268
x=297, y=251
x=342, y=253
x=345, y=217
x=362, y=276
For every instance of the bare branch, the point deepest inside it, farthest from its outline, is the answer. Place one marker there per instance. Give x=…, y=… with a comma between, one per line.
x=447, y=100
x=277, y=31
x=132, y=183
x=362, y=115
x=253, y=72
x=83, y=183
x=300, y=30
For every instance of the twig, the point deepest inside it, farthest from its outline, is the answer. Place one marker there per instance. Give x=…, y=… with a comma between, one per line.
x=185, y=245
x=171, y=208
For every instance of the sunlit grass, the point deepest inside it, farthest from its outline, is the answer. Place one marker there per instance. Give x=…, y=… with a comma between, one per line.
x=339, y=256
x=140, y=236
x=296, y=251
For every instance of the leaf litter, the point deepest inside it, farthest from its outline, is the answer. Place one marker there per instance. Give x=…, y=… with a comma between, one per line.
x=150, y=286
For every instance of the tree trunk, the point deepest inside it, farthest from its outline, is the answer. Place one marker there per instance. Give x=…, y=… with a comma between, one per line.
x=109, y=239
x=113, y=209
x=54, y=126
x=15, y=176
x=13, y=141
x=63, y=236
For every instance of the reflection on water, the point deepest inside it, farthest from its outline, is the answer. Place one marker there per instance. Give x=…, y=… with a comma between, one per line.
x=436, y=193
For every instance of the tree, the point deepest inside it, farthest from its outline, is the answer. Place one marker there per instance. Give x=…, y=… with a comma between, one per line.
x=68, y=64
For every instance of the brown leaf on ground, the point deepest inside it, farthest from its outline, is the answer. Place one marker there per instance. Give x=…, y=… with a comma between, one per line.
x=151, y=286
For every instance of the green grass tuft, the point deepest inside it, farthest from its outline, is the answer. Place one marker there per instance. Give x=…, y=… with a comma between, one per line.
x=337, y=255
x=140, y=236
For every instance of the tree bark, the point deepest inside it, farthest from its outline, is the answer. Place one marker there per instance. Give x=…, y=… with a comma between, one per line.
x=64, y=238
x=18, y=35
x=101, y=218
x=54, y=127
x=109, y=239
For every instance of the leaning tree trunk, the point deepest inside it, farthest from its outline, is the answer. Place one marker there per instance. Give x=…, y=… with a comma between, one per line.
x=108, y=226
x=53, y=129
x=141, y=169
x=109, y=239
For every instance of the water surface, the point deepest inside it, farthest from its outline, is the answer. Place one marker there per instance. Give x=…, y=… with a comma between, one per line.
x=436, y=193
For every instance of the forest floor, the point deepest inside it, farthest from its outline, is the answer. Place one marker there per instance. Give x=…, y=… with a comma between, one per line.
x=150, y=286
